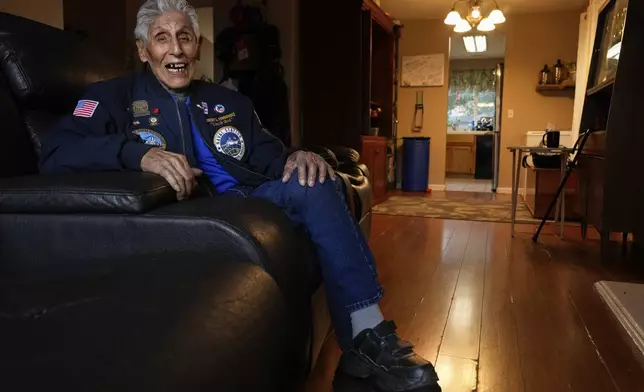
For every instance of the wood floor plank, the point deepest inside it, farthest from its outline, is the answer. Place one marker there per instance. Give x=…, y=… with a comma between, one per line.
x=463, y=330
x=499, y=369
x=456, y=374
x=407, y=266
x=603, y=333
x=539, y=343
x=387, y=228
x=542, y=327
x=426, y=330
x=564, y=348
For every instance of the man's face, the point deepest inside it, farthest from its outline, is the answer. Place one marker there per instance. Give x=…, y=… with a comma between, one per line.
x=172, y=50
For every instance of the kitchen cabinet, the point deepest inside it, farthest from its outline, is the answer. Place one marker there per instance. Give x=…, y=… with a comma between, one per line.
x=460, y=155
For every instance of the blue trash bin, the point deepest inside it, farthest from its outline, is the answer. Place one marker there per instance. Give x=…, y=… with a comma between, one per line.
x=415, y=164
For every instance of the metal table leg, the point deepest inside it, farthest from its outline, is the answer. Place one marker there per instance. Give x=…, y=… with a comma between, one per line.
x=515, y=188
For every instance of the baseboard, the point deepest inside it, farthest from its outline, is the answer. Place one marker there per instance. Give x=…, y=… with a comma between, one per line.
x=626, y=302
x=504, y=191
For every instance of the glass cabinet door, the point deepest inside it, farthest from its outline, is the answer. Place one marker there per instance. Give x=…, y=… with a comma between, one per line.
x=611, y=44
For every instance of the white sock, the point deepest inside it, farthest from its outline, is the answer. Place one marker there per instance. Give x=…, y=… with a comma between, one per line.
x=366, y=318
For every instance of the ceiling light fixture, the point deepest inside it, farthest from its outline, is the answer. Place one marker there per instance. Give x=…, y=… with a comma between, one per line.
x=462, y=26
x=474, y=18
x=475, y=43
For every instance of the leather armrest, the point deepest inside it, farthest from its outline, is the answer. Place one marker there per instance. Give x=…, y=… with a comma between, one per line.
x=101, y=193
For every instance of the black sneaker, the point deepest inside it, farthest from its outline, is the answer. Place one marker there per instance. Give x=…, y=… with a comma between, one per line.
x=391, y=365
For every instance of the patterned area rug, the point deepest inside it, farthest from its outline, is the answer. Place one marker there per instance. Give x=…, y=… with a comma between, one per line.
x=468, y=209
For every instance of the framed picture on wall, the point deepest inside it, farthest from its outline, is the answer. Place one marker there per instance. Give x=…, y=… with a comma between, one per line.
x=423, y=71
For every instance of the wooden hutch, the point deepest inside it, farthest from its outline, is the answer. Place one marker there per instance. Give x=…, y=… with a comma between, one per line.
x=347, y=81
x=611, y=166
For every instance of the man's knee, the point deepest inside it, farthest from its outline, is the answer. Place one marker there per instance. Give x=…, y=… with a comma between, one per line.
x=329, y=188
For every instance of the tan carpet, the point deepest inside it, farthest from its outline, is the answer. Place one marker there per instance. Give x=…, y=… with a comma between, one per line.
x=469, y=209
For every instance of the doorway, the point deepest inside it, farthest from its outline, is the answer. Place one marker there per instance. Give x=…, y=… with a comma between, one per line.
x=473, y=111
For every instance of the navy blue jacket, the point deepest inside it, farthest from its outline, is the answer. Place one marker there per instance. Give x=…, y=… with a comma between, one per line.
x=123, y=118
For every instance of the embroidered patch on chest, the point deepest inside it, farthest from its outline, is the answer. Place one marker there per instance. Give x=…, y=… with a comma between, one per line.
x=151, y=138
x=221, y=120
x=228, y=140
x=140, y=108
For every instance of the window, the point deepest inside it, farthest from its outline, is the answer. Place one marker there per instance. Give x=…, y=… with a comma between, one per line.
x=472, y=97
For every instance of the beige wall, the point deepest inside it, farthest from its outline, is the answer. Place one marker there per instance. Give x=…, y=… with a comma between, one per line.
x=45, y=11
x=532, y=40
x=206, y=64
x=426, y=37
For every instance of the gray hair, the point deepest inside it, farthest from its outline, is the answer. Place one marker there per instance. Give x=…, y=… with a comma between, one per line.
x=152, y=9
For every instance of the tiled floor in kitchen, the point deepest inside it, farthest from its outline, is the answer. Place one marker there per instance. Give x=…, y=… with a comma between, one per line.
x=468, y=184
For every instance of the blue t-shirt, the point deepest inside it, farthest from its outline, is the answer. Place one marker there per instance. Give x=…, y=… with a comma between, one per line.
x=207, y=162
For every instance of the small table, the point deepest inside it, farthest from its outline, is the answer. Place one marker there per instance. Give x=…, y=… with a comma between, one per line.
x=518, y=152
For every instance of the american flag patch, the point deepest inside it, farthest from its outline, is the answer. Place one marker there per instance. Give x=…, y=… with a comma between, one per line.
x=85, y=108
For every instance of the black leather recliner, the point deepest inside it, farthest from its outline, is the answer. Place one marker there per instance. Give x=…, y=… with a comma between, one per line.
x=108, y=283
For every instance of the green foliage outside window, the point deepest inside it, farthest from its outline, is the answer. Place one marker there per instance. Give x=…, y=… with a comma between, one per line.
x=472, y=95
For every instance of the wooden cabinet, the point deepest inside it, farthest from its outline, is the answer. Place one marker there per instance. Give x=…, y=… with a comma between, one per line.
x=591, y=191
x=460, y=154
x=347, y=68
x=374, y=155
x=541, y=188
x=460, y=159
x=611, y=194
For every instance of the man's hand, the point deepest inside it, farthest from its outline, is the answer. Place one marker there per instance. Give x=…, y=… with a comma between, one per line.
x=308, y=166
x=174, y=168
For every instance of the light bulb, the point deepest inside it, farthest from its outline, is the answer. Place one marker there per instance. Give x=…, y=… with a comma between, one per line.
x=485, y=25
x=462, y=26
x=476, y=12
x=496, y=16
x=452, y=18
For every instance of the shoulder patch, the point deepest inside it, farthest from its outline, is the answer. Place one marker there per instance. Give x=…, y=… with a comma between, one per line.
x=85, y=108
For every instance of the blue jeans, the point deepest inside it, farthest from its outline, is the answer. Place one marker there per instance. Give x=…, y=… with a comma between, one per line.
x=347, y=264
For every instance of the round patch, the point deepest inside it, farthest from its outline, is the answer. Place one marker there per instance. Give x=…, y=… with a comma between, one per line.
x=153, y=120
x=151, y=138
x=220, y=108
x=229, y=141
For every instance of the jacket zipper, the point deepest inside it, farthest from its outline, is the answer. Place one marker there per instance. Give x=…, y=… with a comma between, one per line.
x=183, y=138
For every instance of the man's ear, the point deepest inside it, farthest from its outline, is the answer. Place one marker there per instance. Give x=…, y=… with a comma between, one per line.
x=143, y=55
x=199, y=42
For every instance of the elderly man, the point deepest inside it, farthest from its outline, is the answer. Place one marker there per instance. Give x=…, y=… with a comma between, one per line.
x=162, y=121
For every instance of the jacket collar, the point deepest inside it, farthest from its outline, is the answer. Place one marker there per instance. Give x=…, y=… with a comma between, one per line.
x=154, y=85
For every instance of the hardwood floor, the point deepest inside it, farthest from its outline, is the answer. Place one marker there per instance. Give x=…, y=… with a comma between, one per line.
x=500, y=314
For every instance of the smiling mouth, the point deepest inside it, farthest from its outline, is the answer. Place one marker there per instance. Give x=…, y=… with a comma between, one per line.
x=177, y=68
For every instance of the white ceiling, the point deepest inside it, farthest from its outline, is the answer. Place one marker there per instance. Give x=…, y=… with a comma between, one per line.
x=495, y=46
x=432, y=9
